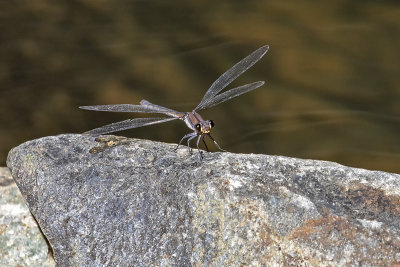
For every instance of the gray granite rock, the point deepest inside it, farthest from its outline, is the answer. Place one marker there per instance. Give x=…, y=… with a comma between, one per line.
x=126, y=202
x=21, y=243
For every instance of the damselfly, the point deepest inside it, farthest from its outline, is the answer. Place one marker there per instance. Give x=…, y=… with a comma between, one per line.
x=193, y=120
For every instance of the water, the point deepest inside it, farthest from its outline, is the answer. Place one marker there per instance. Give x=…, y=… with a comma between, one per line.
x=332, y=73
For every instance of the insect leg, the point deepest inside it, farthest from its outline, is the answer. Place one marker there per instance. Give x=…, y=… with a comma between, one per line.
x=193, y=135
x=215, y=142
x=204, y=142
x=183, y=138
x=197, y=144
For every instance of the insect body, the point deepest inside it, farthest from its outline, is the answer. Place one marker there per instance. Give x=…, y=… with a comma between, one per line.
x=193, y=120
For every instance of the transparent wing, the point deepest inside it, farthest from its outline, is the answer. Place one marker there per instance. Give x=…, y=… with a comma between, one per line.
x=132, y=108
x=127, y=124
x=231, y=74
x=161, y=109
x=230, y=94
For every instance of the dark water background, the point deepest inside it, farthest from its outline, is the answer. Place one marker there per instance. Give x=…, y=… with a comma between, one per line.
x=332, y=72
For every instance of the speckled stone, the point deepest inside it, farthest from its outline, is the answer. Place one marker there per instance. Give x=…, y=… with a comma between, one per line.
x=21, y=243
x=115, y=201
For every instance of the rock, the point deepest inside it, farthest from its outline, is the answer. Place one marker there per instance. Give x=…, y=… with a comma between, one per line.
x=21, y=243
x=126, y=202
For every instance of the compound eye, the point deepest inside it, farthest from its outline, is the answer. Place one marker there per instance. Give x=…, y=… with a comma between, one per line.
x=198, y=127
x=211, y=123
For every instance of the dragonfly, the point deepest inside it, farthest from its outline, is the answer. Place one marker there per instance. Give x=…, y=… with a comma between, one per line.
x=201, y=128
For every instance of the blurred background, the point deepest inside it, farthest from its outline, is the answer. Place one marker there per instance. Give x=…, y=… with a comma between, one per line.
x=332, y=73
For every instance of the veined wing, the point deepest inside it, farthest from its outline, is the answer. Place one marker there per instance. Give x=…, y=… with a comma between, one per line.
x=131, y=108
x=127, y=124
x=161, y=109
x=230, y=94
x=231, y=74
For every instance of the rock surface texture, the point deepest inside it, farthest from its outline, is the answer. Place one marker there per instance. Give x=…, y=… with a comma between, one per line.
x=126, y=202
x=21, y=243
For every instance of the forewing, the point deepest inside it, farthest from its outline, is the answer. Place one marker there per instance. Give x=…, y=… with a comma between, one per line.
x=127, y=124
x=161, y=109
x=128, y=108
x=231, y=74
x=231, y=94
